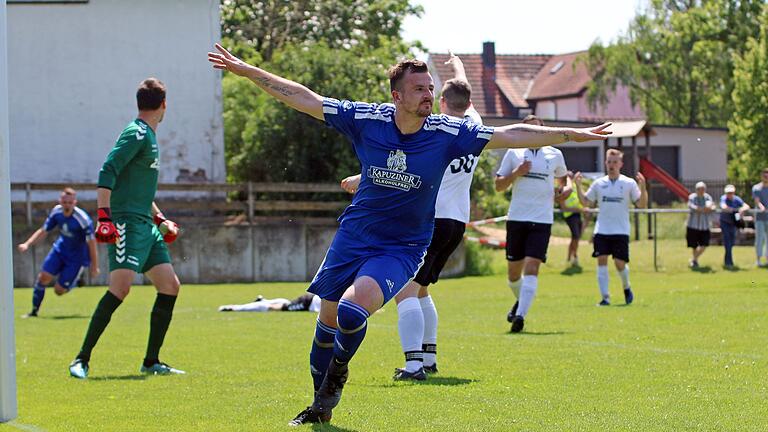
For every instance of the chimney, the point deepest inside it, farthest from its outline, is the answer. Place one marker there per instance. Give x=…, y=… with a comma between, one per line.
x=489, y=78
x=489, y=54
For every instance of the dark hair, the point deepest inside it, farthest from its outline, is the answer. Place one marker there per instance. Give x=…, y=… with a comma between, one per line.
x=397, y=72
x=532, y=118
x=457, y=94
x=150, y=95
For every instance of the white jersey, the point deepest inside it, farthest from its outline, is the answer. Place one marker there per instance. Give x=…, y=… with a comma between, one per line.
x=533, y=194
x=613, y=197
x=453, y=196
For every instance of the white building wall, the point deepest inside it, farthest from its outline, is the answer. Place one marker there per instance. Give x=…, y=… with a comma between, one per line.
x=703, y=152
x=568, y=109
x=546, y=110
x=73, y=73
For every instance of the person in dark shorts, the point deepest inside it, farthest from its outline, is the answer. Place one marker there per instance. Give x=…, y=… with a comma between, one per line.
x=572, y=211
x=613, y=194
x=532, y=173
x=697, y=233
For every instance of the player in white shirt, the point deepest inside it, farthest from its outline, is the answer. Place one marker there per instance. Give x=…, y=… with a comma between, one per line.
x=613, y=194
x=532, y=174
x=417, y=315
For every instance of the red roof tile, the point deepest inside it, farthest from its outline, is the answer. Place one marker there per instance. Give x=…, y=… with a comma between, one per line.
x=558, y=80
x=494, y=96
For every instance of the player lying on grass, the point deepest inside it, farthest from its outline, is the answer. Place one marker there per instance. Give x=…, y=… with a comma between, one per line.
x=383, y=235
x=305, y=302
x=73, y=250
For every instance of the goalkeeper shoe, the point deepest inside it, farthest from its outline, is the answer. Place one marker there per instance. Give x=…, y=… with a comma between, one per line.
x=604, y=302
x=329, y=393
x=512, y=312
x=160, y=368
x=309, y=416
x=404, y=375
x=78, y=369
x=431, y=369
x=628, y=296
x=517, y=324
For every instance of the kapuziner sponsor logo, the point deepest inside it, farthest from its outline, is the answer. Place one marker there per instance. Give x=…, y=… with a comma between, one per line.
x=394, y=176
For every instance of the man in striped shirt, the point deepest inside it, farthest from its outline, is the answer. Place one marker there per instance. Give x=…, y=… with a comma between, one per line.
x=697, y=228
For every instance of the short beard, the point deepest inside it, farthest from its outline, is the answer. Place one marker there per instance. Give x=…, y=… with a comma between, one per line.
x=423, y=112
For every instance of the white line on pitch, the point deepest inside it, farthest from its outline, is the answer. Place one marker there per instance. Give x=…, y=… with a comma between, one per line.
x=30, y=428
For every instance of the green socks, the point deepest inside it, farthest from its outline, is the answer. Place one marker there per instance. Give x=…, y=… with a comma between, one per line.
x=162, y=312
x=101, y=317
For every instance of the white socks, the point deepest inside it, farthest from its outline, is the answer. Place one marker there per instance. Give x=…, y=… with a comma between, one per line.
x=430, y=330
x=410, y=324
x=624, y=275
x=515, y=286
x=602, y=281
x=527, y=293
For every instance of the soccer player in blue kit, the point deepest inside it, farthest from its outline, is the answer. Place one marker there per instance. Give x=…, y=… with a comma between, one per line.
x=73, y=251
x=383, y=235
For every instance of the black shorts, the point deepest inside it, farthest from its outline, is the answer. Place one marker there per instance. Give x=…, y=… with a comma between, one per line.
x=696, y=237
x=445, y=238
x=574, y=223
x=616, y=245
x=299, y=304
x=527, y=239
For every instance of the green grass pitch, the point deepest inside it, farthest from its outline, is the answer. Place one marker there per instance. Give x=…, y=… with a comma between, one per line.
x=690, y=354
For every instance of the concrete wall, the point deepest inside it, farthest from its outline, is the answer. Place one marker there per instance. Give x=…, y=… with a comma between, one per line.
x=703, y=152
x=217, y=254
x=73, y=73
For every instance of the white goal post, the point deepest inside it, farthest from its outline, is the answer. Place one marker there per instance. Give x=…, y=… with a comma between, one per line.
x=8, y=407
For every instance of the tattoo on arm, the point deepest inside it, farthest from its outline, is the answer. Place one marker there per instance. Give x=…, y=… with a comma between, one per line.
x=266, y=82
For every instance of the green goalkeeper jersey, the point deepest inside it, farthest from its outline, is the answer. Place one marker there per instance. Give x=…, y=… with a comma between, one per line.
x=131, y=170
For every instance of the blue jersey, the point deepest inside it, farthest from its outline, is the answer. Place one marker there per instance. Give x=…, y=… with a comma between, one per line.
x=74, y=230
x=394, y=205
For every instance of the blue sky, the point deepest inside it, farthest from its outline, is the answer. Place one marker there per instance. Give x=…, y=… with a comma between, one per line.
x=519, y=26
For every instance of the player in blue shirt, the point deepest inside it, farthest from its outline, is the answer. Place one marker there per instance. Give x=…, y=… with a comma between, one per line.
x=73, y=251
x=383, y=235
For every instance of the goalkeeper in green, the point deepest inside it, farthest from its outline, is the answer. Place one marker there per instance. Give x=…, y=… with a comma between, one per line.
x=135, y=230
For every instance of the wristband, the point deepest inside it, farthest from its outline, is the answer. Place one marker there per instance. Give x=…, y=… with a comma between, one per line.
x=104, y=214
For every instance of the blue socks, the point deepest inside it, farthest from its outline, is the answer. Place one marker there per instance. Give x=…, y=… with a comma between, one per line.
x=352, y=321
x=322, y=350
x=37, y=295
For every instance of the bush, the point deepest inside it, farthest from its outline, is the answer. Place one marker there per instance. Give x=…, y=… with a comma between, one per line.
x=479, y=260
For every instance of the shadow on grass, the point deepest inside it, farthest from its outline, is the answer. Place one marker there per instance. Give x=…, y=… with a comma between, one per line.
x=65, y=317
x=445, y=381
x=330, y=427
x=572, y=270
x=703, y=269
x=732, y=269
x=139, y=377
x=533, y=333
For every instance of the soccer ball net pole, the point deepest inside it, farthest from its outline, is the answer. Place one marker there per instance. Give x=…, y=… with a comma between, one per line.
x=8, y=408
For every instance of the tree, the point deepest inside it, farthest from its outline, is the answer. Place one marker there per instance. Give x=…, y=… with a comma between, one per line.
x=677, y=59
x=267, y=26
x=268, y=141
x=748, y=129
x=339, y=48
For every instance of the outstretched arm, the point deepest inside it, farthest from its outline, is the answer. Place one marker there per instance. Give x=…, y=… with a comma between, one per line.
x=458, y=67
x=33, y=239
x=522, y=135
x=290, y=93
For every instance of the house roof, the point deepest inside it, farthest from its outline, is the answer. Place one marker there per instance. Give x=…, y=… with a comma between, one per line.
x=495, y=96
x=561, y=76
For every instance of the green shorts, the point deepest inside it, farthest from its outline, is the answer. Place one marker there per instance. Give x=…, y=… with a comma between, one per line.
x=140, y=247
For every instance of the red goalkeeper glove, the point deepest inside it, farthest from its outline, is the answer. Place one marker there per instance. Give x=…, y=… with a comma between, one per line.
x=169, y=229
x=105, y=229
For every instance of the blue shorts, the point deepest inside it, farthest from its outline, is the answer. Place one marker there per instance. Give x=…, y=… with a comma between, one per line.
x=69, y=270
x=348, y=259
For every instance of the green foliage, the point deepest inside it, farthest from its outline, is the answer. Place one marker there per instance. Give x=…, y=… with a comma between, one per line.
x=479, y=259
x=486, y=201
x=268, y=26
x=677, y=60
x=748, y=129
x=337, y=48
